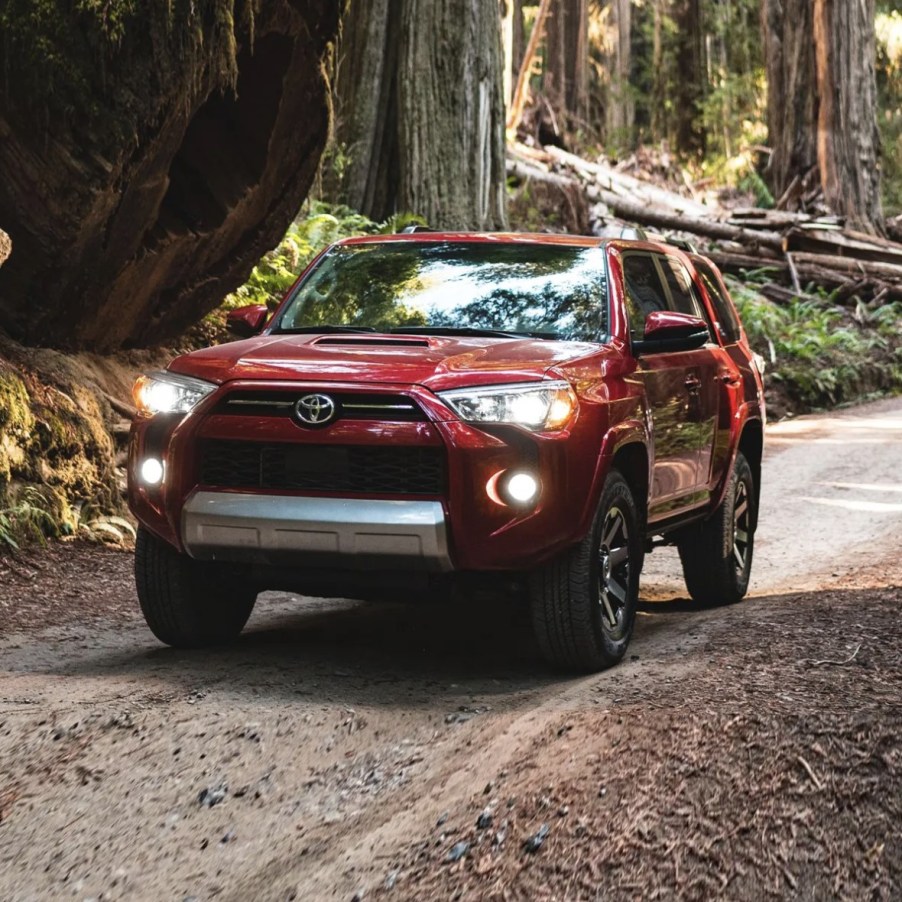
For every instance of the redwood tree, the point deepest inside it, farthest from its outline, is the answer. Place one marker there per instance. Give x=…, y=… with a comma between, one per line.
x=616, y=59
x=566, y=77
x=822, y=104
x=420, y=111
x=150, y=154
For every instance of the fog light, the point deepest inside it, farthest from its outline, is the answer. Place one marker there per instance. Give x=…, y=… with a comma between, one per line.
x=522, y=487
x=152, y=471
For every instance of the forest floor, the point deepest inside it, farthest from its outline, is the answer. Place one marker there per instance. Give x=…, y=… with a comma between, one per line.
x=342, y=749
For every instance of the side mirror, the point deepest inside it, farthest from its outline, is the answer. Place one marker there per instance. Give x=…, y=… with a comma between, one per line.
x=246, y=321
x=666, y=331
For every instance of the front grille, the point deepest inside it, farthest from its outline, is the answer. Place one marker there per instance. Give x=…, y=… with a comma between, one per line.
x=364, y=406
x=327, y=468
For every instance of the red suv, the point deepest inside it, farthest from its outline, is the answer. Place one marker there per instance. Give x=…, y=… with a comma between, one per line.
x=433, y=408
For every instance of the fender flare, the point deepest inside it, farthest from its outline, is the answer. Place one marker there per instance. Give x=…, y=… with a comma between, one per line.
x=627, y=432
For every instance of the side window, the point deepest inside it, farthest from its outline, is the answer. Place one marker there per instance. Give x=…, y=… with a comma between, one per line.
x=729, y=322
x=643, y=289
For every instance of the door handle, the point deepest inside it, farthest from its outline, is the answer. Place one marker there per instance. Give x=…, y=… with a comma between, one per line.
x=693, y=383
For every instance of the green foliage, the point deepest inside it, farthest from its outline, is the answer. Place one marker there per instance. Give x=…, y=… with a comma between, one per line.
x=818, y=354
x=318, y=225
x=730, y=107
x=31, y=518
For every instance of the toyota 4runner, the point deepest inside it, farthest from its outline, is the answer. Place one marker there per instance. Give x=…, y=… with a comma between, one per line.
x=434, y=409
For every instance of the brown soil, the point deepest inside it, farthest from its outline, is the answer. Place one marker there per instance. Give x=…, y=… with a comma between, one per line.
x=341, y=748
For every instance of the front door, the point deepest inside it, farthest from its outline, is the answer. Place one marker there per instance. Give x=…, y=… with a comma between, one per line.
x=680, y=387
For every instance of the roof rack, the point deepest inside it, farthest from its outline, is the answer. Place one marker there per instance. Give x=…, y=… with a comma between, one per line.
x=682, y=243
x=635, y=233
x=413, y=229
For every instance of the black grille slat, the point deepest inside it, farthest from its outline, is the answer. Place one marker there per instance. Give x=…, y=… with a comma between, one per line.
x=360, y=469
x=387, y=408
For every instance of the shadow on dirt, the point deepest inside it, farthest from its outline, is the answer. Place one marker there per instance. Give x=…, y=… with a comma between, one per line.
x=354, y=652
x=345, y=651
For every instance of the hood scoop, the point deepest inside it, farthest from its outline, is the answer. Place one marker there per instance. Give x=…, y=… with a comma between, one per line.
x=355, y=341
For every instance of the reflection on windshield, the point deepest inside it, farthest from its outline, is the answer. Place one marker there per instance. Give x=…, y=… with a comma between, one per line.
x=553, y=291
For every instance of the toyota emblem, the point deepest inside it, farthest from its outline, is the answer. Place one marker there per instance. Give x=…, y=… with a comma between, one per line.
x=315, y=410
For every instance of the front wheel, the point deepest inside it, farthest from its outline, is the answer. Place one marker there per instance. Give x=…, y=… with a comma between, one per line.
x=188, y=603
x=717, y=554
x=584, y=602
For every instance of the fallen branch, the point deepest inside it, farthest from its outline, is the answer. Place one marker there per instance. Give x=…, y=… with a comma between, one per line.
x=810, y=772
x=842, y=663
x=518, y=101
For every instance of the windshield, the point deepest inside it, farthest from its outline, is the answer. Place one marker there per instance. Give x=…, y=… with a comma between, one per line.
x=507, y=289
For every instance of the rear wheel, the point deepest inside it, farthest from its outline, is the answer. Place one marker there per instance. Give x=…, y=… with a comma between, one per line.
x=584, y=602
x=717, y=554
x=188, y=603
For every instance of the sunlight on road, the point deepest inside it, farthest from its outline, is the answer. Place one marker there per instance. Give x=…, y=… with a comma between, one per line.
x=829, y=482
x=863, y=486
x=873, y=507
x=837, y=431
x=838, y=424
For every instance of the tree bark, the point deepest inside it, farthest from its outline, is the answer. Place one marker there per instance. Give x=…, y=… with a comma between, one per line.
x=619, y=106
x=518, y=39
x=366, y=107
x=822, y=104
x=420, y=96
x=847, y=136
x=150, y=160
x=690, y=88
x=566, y=76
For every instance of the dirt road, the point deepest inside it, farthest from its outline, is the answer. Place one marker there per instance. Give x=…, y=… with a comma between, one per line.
x=344, y=749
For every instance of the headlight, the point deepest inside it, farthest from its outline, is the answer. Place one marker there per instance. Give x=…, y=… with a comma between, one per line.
x=169, y=393
x=533, y=405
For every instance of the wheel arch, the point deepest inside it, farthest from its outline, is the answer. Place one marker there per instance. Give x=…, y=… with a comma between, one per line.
x=751, y=444
x=631, y=459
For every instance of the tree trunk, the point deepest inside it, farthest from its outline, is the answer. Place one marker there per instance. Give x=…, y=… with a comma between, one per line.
x=151, y=153
x=847, y=136
x=690, y=87
x=660, y=118
x=619, y=106
x=792, y=94
x=566, y=77
x=421, y=118
x=518, y=39
x=451, y=113
x=507, y=47
x=822, y=104
x=366, y=107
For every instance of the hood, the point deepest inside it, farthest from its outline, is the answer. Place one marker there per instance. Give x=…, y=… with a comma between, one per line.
x=436, y=362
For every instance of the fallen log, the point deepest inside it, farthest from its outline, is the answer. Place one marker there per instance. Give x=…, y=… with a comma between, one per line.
x=663, y=219
x=842, y=244
x=854, y=265
x=800, y=250
x=628, y=186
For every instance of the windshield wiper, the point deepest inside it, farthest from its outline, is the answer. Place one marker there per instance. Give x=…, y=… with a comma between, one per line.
x=323, y=330
x=468, y=332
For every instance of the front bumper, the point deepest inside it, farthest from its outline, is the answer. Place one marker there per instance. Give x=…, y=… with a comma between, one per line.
x=316, y=531
x=459, y=526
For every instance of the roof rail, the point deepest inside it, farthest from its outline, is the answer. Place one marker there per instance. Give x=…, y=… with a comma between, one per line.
x=682, y=243
x=413, y=229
